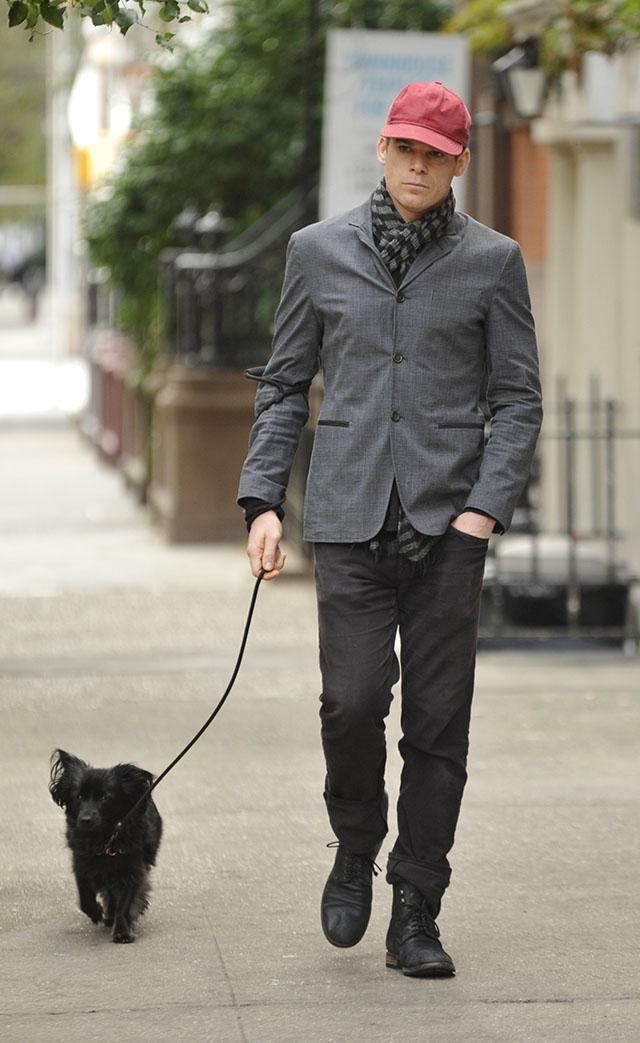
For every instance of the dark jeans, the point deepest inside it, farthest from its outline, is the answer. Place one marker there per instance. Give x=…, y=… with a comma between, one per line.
x=361, y=603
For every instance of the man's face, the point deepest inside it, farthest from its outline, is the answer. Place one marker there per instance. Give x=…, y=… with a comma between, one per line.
x=417, y=176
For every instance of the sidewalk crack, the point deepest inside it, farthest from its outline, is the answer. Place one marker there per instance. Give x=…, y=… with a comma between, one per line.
x=227, y=977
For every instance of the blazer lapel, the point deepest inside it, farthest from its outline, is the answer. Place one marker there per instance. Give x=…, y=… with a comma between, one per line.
x=435, y=251
x=360, y=218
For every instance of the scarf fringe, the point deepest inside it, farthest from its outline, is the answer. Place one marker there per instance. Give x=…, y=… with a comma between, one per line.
x=380, y=551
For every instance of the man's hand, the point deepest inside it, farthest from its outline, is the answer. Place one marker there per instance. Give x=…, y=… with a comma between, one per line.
x=263, y=547
x=474, y=524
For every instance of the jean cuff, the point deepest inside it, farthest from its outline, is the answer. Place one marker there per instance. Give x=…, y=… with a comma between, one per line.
x=361, y=825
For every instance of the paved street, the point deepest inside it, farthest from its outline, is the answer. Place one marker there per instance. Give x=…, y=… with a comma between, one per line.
x=116, y=646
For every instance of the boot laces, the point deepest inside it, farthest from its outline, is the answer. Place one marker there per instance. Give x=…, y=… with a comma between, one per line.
x=422, y=922
x=356, y=866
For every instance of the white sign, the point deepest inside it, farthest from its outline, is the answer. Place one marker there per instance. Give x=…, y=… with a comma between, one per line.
x=366, y=68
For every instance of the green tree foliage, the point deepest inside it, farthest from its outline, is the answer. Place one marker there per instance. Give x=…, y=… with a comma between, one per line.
x=34, y=15
x=228, y=130
x=569, y=30
x=22, y=110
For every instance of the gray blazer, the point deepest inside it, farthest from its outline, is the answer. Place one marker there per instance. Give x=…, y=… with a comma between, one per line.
x=405, y=370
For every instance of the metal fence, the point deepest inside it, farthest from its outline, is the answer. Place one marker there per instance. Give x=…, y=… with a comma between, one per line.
x=220, y=297
x=571, y=581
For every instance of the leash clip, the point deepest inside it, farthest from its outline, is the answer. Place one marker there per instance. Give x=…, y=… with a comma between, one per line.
x=109, y=847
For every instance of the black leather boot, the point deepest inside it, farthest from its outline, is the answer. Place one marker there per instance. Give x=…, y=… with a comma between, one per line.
x=413, y=938
x=346, y=899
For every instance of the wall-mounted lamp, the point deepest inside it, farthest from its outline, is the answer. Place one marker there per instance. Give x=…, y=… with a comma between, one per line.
x=521, y=79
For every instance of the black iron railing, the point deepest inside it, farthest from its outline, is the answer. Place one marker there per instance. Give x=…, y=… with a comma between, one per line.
x=571, y=581
x=220, y=297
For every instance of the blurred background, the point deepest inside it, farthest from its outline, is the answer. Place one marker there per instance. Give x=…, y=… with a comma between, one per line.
x=149, y=183
x=147, y=194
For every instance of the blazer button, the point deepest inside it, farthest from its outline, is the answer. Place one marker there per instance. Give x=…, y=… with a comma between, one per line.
x=400, y=298
x=396, y=416
x=398, y=357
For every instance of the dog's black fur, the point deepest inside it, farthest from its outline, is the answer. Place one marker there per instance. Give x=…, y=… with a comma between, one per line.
x=94, y=801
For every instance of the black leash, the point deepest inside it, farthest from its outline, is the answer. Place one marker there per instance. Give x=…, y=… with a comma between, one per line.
x=111, y=845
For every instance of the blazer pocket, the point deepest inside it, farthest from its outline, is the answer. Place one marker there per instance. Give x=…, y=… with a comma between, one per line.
x=333, y=423
x=465, y=423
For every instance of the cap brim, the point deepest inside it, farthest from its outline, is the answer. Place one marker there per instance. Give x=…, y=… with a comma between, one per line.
x=428, y=137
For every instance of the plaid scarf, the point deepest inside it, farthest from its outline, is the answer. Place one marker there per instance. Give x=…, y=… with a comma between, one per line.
x=399, y=243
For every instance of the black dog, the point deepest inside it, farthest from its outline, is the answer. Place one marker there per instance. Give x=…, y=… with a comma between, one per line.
x=94, y=801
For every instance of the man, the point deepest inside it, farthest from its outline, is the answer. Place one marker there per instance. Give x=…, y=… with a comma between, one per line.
x=417, y=315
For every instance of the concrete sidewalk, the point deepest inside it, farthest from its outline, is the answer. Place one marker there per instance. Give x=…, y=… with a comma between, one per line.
x=115, y=647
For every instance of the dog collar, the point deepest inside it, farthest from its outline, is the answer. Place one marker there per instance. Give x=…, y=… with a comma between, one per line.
x=111, y=851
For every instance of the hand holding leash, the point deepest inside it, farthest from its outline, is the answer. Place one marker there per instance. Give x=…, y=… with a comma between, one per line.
x=263, y=545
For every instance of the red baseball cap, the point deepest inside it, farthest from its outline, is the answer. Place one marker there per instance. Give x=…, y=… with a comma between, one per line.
x=430, y=113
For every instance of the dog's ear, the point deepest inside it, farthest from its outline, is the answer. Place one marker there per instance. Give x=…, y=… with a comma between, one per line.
x=65, y=772
x=134, y=780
